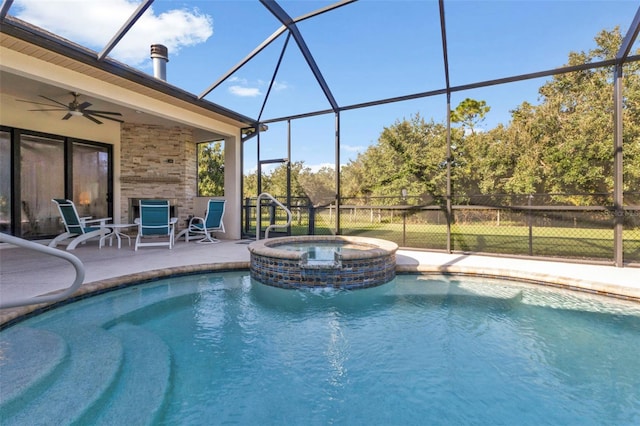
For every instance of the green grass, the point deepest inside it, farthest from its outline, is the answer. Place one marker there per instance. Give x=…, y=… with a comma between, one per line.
x=548, y=241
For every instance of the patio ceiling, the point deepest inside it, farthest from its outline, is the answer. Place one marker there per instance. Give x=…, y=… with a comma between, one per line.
x=439, y=42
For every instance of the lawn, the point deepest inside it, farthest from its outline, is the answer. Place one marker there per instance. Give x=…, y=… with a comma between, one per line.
x=485, y=237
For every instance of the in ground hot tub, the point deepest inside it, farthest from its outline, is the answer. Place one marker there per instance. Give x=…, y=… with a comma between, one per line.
x=323, y=261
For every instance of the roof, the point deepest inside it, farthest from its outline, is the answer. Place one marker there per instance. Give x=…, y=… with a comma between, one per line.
x=23, y=37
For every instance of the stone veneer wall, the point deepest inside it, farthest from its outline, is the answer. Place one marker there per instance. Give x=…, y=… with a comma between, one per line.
x=158, y=162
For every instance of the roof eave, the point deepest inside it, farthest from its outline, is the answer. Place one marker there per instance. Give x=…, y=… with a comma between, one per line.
x=38, y=37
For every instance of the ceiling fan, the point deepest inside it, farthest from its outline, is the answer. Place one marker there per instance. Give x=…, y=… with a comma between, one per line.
x=74, y=108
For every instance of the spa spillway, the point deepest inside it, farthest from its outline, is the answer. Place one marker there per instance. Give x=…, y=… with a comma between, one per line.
x=323, y=261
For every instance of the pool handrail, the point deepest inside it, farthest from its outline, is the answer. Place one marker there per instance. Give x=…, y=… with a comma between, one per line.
x=75, y=262
x=259, y=216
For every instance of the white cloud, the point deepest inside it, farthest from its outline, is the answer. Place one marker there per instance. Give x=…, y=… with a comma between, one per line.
x=244, y=88
x=94, y=23
x=316, y=167
x=244, y=91
x=278, y=86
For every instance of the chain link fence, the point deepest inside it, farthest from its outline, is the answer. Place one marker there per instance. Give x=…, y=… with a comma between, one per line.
x=538, y=225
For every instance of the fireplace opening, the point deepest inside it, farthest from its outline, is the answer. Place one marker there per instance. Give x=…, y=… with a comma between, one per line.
x=134, y=207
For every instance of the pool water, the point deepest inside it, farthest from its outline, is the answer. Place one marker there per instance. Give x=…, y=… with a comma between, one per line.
x=220, y=348
x=320, y=251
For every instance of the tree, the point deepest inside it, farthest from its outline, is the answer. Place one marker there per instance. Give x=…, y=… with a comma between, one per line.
x=411, y=155
x=470, y=113
x=564, y=144
x=373, y=173
x=250, y=185
x=210, y=169
x=631, y=130
x=319, y=187
x=275, y=181
x=571, y=132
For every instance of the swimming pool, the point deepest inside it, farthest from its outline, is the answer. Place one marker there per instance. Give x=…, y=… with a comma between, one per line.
x=221, y=348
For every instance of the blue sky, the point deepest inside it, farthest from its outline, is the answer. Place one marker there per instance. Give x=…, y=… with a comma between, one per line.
x=367, y=50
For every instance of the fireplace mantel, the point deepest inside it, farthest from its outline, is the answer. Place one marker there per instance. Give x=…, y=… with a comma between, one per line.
x=150, y=179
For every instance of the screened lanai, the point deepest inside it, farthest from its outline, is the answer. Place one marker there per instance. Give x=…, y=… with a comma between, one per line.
x=503, y=127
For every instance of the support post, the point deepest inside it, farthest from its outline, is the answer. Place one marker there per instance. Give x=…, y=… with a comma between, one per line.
x=449, y=160
x=618, y=201
x=337, y=174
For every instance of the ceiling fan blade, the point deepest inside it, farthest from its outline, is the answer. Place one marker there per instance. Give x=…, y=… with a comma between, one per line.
x=37, y=103
x=93, y=111
x=75, y=108
x=54, y=101
x=48, y=109
x=92, y=119
x=87, y=114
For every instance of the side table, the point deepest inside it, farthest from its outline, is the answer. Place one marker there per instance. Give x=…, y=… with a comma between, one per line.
x=116, y=230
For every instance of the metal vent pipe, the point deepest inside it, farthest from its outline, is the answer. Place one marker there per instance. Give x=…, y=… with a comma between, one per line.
x=160, y=57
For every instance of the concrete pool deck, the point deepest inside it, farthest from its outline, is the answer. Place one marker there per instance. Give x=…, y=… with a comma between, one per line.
x=25, y=273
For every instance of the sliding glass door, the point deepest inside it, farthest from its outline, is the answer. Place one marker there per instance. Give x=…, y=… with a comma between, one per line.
x=41, y=179
x=35, y=168
x=5, y=181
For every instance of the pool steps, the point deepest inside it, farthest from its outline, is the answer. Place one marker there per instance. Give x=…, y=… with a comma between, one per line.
x=84, y=375
x=140, y=390
x=58, y=381
x=64, y=368
x=26, y=373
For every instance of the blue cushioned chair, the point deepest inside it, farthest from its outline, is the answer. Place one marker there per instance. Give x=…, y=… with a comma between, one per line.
x=155, y=223
x=77, y=229
x=203, y=228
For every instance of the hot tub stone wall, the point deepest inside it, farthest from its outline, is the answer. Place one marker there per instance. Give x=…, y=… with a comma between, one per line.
x=373, y=268
x=288, y=273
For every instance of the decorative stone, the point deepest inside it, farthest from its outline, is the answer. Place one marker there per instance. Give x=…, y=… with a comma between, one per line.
x=371, y=263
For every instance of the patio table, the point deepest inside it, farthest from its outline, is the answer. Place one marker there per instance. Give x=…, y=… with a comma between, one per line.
x=116, y=230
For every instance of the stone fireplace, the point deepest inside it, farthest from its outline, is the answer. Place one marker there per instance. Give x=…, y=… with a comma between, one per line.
x=157, y=162
x=134, y=207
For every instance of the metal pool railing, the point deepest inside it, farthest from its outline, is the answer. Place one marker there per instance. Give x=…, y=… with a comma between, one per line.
x=270, y=227
x=75, y=262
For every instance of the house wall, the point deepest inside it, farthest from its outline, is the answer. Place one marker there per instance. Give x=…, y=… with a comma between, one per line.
x=232, y=187
x=158, y=162
x=148, y=160
x=161, y=162
x=15, y=114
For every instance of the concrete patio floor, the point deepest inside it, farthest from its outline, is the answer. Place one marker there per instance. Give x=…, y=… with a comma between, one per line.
x=26, y=274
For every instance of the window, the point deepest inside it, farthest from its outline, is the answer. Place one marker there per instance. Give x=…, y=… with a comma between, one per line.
x=211, y=169
x=91, y=179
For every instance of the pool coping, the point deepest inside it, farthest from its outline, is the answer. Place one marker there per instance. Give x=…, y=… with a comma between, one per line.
x=551, y=280
x=377, y=247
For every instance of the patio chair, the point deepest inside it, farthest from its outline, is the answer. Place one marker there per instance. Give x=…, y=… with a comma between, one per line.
x=204, y=228
x=77, y=229
x=154, y=222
